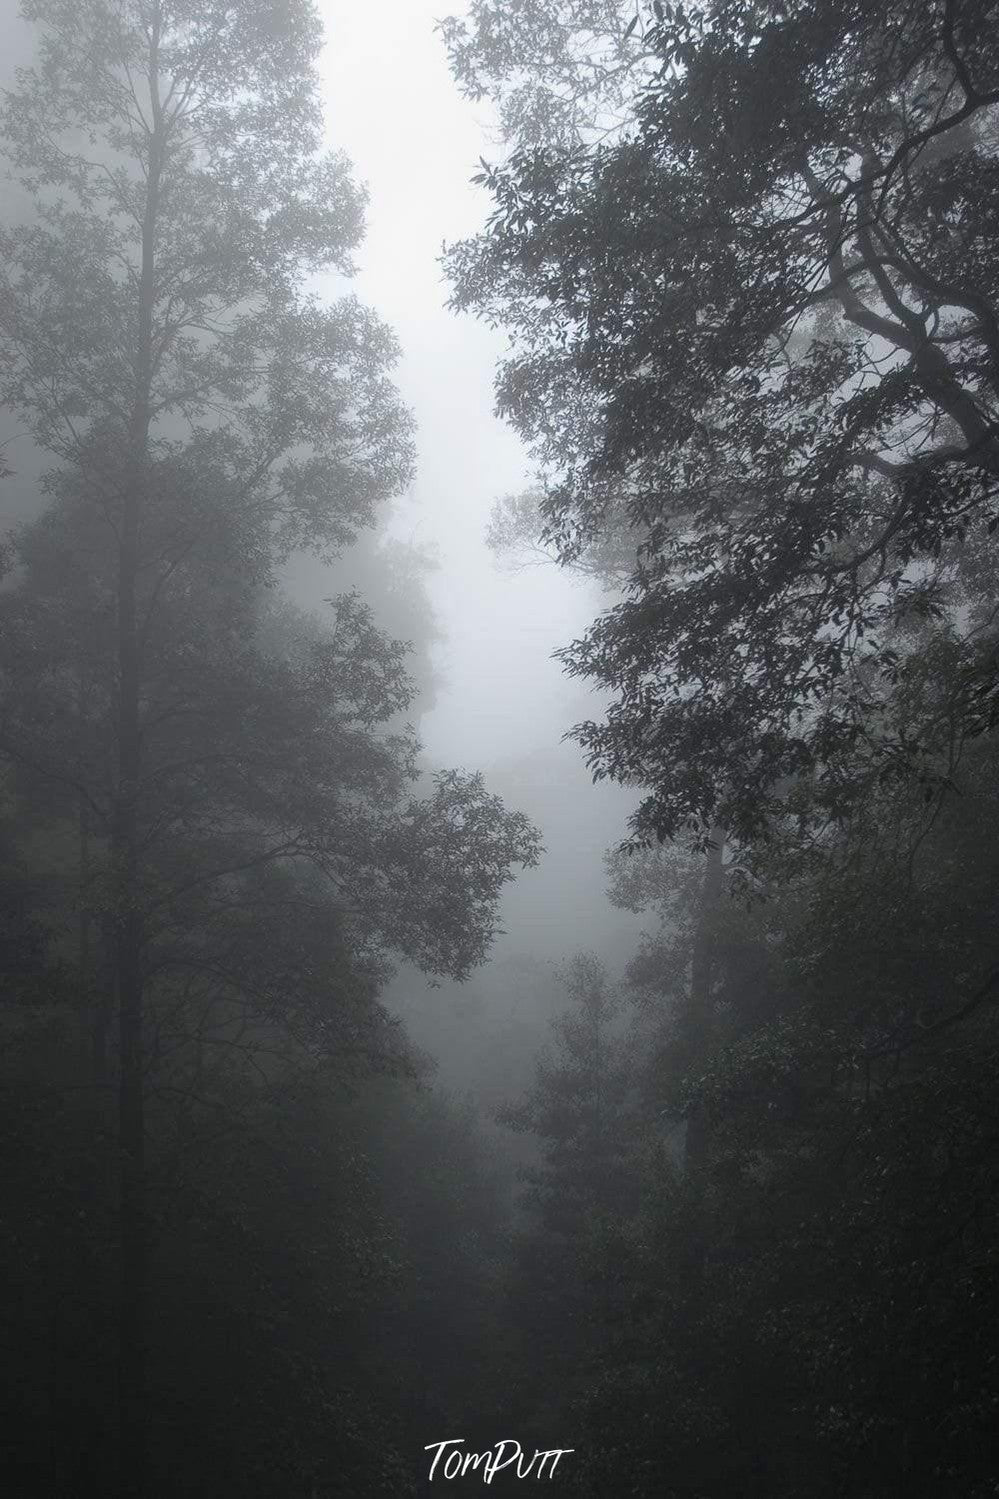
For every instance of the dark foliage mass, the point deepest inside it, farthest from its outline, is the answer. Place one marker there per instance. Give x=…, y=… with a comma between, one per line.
x=757, y=325
x=746, y=256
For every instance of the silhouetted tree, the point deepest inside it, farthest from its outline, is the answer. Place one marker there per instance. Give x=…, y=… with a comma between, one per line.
x=759, y=324
x=206, y=415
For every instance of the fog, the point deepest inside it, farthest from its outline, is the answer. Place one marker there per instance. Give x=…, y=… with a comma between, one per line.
x=488, y=1012
x=503, y=704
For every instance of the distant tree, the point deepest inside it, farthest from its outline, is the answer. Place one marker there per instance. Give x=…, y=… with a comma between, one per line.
x=563, y=74
x=576, y=1100
x=513, y=537
x=567, y=1283
x=392, y=576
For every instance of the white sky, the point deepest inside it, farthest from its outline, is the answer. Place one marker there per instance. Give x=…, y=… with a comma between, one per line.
x=391, y=104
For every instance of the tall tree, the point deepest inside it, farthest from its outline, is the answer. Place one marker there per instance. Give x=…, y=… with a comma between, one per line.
x=207, y=415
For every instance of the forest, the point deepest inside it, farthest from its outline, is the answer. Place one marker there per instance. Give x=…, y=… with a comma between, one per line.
x=520, y=1006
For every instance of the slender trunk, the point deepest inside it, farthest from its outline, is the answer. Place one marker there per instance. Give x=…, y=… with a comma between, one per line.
x=128, y=947
x=701, y=975
x=94, y=991
x=94, y=944
x=702, y=964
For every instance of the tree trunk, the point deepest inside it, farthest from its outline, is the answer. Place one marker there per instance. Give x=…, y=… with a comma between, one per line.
x=701, y=975
x=129, y=936
x=702, y=965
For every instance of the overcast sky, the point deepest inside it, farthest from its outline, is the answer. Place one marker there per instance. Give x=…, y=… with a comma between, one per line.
x=391, y=104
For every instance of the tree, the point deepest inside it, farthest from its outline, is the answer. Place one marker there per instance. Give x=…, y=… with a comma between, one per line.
x=760, y=324
x=512, y=536
x=285, y=858
x=755, y=329
x=567, y=1292
x=206, y=415
x=562, y=74
x=800, y=1308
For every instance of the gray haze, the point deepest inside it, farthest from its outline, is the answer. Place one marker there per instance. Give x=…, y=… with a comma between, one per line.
x=501, y=703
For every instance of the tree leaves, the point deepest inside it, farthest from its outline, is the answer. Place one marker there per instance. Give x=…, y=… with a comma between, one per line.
x=714, y=378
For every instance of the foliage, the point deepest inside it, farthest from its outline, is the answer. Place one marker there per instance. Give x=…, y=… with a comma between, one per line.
x=512, y=537
x=760, y=325
x=219, y=796
x=562, y=74
x=306, y=1322
x=796, y=1301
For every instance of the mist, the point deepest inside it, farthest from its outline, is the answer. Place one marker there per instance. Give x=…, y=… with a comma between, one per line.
x=498, y=761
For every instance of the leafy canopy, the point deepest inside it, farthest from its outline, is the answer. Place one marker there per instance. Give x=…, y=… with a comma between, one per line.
x=759, y=326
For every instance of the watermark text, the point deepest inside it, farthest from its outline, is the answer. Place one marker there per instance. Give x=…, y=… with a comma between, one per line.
x=494, y=1460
